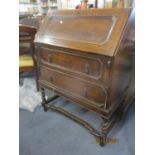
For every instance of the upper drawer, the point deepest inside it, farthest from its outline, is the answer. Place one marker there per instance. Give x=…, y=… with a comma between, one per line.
x=89, y=92
x=87, y=66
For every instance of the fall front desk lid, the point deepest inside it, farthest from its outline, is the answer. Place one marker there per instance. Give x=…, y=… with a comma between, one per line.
x=95, y=30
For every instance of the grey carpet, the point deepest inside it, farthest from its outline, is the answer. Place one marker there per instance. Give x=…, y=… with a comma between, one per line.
x=50, y=133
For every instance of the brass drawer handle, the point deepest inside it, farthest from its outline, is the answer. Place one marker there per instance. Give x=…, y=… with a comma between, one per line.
x=49, y=58
x=87, y=69
x=85, y=92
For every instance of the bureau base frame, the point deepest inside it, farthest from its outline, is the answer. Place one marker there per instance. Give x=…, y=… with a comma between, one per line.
x=100, y=135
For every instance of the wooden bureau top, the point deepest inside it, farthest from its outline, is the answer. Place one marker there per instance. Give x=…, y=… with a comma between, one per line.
x=96, y=31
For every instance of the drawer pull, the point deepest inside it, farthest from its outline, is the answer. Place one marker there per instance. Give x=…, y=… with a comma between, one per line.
x=87, y=68
x=51, y=79
x=49, y=58
x=85, y=92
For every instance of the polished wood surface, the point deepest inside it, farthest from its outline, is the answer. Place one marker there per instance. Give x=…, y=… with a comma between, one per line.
x=90, y=92
x=32, y=21
x=86, y=66
x=94, y=31
x=88, y=57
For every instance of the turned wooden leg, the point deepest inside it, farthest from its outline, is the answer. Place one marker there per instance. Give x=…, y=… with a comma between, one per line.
x=37, y=79
x=44, y=102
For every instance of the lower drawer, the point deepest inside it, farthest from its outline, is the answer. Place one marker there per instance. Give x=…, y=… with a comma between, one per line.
x=90, y=92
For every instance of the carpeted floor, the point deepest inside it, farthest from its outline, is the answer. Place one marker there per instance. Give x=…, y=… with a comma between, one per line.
x=50, y=133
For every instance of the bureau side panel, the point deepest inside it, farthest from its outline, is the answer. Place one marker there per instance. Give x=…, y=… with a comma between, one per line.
x=122, y=67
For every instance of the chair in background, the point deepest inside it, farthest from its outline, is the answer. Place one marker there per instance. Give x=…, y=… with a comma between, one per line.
x=27, y=58
x=31, y=21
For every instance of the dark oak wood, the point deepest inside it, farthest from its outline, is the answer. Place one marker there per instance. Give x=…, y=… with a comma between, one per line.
x=93, y=31
x=32, y=21
x=88, y=57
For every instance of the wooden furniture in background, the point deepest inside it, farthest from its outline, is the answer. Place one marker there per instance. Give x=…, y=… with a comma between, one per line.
x=27, y=58
x=31, y=21
x=87, y=56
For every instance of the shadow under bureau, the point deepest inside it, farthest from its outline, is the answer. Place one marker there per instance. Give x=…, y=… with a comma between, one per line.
x=87, y=56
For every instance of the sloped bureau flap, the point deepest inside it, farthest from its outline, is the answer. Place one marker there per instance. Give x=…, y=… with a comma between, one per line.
x=95, y=31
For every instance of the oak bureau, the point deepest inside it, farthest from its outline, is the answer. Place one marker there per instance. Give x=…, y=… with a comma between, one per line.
x=87, y=56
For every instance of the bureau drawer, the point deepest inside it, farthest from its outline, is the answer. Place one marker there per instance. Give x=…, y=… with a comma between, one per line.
x=90, y=92
x=87, y=66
